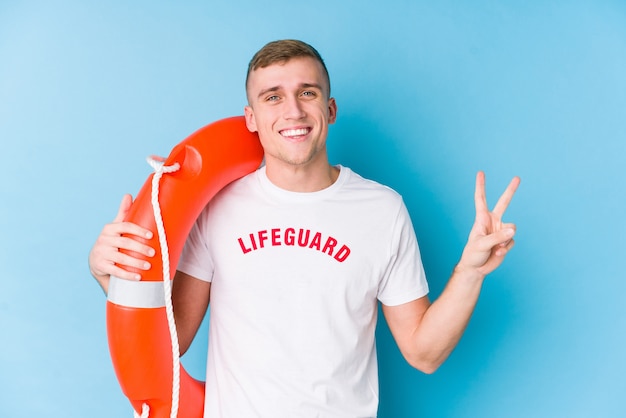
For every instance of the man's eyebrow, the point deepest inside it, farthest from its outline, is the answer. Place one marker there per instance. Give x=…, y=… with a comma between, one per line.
x=311, y=85
x=268, y=90
x=278, y=88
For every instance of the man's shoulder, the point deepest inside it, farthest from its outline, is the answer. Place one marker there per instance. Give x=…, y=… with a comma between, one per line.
x=365, y=185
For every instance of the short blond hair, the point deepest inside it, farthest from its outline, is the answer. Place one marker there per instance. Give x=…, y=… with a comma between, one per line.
x=281, y=51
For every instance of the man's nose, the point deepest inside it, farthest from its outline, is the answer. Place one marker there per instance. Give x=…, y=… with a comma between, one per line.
x=293, y=109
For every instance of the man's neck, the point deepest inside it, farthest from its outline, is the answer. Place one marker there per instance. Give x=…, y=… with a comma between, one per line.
x=302, y=179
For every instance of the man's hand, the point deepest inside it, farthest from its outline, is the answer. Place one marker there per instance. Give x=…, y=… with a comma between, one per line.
x=105, y=258
x=490, y=239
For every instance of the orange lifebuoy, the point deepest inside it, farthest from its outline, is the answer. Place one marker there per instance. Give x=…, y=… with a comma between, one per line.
x=137, y=326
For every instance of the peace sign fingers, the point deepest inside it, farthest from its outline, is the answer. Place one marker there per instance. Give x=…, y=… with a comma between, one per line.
x=506, y=197
x=480, y=197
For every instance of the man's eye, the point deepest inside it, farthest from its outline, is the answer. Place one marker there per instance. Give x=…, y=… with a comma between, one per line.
x=272, y=98
x=308, y=93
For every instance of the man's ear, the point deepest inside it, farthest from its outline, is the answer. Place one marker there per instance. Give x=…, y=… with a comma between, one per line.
x=250, y=121
x=332, y=110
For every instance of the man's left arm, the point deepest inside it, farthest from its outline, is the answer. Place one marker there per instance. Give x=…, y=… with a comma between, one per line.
x=426, y=332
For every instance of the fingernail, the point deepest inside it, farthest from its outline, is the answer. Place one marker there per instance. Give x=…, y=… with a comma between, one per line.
x=146, y=265
x=149, y=234
x=137, y=277
x=151, y=252
x=509, y=232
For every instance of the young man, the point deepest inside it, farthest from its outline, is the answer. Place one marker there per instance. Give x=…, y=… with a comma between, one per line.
x=295, y=257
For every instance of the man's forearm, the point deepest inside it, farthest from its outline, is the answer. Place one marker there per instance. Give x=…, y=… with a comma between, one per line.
x=445, y=321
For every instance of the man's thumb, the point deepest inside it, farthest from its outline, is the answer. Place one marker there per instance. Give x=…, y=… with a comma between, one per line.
x=125, y=205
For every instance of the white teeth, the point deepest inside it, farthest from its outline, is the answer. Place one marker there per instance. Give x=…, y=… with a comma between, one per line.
x=294, y=132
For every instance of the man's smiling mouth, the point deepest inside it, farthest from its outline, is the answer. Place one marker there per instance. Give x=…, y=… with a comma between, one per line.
x=295, y=133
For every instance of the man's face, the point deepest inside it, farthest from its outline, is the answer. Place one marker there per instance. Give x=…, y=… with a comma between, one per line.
x=290, y=109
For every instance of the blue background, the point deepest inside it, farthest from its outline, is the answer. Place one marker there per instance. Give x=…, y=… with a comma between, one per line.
x=428, y=93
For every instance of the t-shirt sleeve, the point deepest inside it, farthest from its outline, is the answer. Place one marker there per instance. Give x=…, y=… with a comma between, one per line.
x=404, y=279
x=195, y=259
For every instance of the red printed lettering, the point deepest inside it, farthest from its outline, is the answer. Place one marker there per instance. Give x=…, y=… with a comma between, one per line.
x=276, y=237
x=317, y=238
x=342, y=254
x=329, y=246
x=290, y=236
x=262, y=238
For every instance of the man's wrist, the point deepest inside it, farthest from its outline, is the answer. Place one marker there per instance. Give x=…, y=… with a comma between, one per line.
x=102, y=279
x=468, y=273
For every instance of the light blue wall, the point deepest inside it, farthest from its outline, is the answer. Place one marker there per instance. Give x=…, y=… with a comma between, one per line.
x=428, y=93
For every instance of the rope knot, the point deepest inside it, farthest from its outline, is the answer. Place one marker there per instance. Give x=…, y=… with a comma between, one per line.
x=158, y=164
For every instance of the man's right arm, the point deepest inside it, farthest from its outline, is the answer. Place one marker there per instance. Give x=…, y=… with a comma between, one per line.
x=190, y=296
x=190, y=299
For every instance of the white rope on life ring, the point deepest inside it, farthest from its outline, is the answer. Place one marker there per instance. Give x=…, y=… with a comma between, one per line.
x=157, y=164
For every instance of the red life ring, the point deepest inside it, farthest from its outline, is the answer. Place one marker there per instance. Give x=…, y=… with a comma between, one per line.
x=137, y=326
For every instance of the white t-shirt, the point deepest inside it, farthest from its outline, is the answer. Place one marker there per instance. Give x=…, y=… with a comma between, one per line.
x=295, y=282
